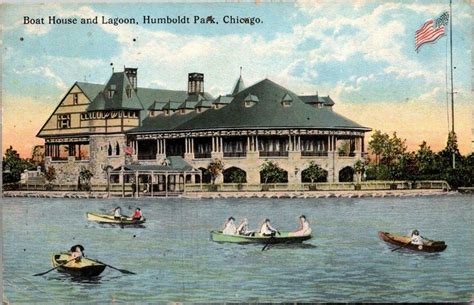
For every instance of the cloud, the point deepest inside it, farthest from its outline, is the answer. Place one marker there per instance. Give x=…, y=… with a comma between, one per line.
x=44, y=72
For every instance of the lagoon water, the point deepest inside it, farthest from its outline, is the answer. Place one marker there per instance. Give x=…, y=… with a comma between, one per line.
x=175, y=260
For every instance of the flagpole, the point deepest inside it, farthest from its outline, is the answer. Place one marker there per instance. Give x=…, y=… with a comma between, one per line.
x=452, y=87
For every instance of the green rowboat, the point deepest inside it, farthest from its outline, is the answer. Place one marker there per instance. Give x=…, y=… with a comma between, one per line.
x=284, y=238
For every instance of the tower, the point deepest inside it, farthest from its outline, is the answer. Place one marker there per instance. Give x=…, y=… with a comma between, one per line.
x=131, y=73
x=195, y=83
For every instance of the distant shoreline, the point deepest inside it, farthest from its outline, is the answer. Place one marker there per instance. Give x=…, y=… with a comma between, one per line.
x=235, y=195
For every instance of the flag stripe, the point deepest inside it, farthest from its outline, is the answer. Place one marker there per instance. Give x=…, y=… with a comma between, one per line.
x=424, y=26
x=430, y=40
x=427, y=35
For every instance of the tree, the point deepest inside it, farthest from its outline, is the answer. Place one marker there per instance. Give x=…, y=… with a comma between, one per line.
x=37, y=155
x=50, y=176
x=237, y=176
x=314, y=173
x=377, y=144
x=215, y=168
x=85, y=176
x=344, y=148
x=359, y=168
x=13, y=166
x=271, y=173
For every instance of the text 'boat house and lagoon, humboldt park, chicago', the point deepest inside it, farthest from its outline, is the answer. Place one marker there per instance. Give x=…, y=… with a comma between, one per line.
x=167, y=138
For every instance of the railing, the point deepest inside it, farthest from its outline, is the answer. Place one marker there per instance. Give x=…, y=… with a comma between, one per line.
x=273, y=153
x=204, y=155
x=146, y=157
x=325, y=186
x=344, y=154
x=245, y=187
x=235, y=154
x=314, y=153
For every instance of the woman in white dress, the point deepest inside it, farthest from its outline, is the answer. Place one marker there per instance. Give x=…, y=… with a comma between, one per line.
x=229, y=227
x=304, y=228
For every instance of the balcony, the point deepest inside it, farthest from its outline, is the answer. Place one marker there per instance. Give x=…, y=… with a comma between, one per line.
x=202, y=155
x=235, y=154
x=147, y=157
x=314, y=153
x=273, y=153
x=344, y=154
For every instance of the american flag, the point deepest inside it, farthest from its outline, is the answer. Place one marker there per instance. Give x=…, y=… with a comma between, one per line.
x=431, y=30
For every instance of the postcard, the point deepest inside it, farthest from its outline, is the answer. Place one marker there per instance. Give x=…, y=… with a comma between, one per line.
x=247, y=152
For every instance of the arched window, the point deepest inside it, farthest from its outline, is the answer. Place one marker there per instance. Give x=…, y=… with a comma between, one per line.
x=109, y=151
x=234, y=175
x=346, y=174
x=117, y=149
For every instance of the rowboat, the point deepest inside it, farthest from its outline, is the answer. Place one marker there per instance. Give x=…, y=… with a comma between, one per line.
x=399, y=240
x=282, y=238
x=84, y=268
x=104, y=218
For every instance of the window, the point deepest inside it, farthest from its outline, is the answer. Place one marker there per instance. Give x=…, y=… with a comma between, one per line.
x=75, y=99
x=129, y=92
x=109, y=151
x=286, y=103
x=117, y=149
x=110, y=93
x=64, y=121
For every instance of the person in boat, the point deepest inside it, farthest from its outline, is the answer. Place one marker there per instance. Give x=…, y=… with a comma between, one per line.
x=266, y=229
x=118, y=213
x=75, y=255
x=243, y=228
x=137, y=215
x=416, y=239
x=229, y=227
x=304, y=228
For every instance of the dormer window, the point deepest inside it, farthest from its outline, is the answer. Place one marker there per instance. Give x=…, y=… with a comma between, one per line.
x=250, y=100
x=182, y=111
x=128, y=91
x=75, y=99
x=287, y=100
x=152, y=112
x=167, y=112
x=111, y=91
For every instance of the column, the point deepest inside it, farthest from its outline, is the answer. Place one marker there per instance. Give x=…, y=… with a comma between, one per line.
x=151, y=184
x=248, y=144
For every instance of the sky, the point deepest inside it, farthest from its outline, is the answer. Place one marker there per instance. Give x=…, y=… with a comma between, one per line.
x=360, y=53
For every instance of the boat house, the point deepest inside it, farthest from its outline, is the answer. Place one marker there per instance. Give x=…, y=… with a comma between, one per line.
x=167, y=138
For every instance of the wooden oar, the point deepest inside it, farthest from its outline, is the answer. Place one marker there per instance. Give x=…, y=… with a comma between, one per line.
x=402, y=246
x=121, y=270
x=43, y=273
x=272, y=238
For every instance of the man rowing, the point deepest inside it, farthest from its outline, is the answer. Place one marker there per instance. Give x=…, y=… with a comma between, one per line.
x=75, y=255
x=416, y=239
x=266, y=229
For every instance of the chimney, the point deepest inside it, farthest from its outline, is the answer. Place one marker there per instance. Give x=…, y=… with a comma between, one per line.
x=195, y=83
x=131, y=73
